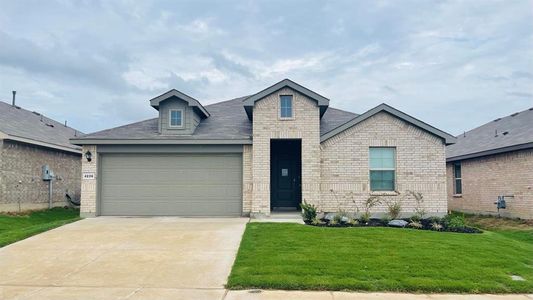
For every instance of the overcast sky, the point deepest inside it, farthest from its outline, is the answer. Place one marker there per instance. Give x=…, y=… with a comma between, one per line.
x=453, y=64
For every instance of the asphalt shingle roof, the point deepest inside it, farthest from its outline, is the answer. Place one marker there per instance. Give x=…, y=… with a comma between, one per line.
x=18, y=122
x=228, y=121
x=513, y=130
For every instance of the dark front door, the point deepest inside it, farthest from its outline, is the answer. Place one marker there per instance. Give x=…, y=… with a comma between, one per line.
x=285, y=168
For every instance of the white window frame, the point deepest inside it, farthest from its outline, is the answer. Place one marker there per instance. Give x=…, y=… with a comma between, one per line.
x=292, y=107
x=455, y=193
x=170, y=118
x=370, y=169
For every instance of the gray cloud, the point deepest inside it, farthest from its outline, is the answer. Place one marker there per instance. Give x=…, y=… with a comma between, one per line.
x=453, y=64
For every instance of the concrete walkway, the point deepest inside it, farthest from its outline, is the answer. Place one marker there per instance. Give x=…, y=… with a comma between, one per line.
x=289, y=295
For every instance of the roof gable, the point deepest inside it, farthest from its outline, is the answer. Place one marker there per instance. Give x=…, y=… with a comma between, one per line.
x=249, y=102
x=448, y=138
x=175, y=93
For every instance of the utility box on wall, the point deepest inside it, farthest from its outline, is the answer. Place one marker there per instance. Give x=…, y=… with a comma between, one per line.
x=47, y=173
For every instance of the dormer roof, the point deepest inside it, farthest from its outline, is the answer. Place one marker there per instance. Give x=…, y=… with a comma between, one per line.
x=173, y=93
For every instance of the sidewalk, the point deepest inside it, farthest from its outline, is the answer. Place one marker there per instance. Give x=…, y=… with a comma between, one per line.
x=289, y=295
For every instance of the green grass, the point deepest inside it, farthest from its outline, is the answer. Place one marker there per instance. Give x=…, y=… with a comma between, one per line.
x=17, y=227
x=293, y=256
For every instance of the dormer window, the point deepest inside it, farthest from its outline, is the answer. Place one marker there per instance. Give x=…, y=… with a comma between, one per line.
x=285, y=106
x=175, y=118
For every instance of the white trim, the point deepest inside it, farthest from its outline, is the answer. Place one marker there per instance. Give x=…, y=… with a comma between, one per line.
x=292, y=108
x=370, y=169
x=170, y=118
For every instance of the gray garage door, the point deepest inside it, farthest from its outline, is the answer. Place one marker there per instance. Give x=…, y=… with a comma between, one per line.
x=171, y=184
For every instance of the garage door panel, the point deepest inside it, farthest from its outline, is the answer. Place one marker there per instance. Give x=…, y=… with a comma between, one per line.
x=171, y=184
x=169, y=177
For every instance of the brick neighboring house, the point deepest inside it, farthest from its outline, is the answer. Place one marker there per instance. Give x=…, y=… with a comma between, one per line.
x=29, y=140
x=495, y=159
x=260, y=154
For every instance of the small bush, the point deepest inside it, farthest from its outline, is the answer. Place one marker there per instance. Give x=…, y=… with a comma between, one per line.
x=436, y=226
x=333, y=223
x=316, y=221
x=353, y=222
x=416, y=225
x=415, y=218
x=365, y=217
x=386, y=219
x=394, y=209
x=455, y=221
x=337, y=218
x=308, y=211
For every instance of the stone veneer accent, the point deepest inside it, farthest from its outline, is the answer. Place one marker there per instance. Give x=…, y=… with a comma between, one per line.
x=485, y=178
x=89, y=187
x=266, y=126
x=420, y=166
x=21, y=184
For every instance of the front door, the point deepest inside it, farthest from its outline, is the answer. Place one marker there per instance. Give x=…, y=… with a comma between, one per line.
x=285, y=174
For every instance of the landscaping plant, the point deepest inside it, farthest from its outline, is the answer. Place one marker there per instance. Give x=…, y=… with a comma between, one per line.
x=394, y=209
x=308, y=212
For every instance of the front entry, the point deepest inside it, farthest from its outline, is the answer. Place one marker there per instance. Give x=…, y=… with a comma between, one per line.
x=285, y=174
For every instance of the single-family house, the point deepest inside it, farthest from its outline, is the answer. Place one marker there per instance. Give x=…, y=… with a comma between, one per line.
x=260, y=154
x=493, y=162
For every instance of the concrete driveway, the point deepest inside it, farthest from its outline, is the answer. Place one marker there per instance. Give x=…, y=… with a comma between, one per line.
x=123, y=258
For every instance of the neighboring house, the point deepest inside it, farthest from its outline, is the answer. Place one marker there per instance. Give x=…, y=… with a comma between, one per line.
x=495, y=159
x=262, y=153
x=29, y=141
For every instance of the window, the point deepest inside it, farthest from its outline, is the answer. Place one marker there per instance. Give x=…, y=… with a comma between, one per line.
x=382, y=168
x=285, y=106
x=176, y=118
x=458, y=182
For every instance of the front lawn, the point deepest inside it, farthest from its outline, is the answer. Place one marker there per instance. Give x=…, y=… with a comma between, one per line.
x=17, y=227
x=293, y=256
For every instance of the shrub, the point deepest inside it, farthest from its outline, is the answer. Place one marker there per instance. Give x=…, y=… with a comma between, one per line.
x=436, y=226
x=420, y=212
x=337, y=218
x=308, y=211
x=333, y=222
x=416, y=225
x=316, y=221
x=415, y=218
x=455, y=221
x=394, y=209
x=365, y=217
x=353, y=222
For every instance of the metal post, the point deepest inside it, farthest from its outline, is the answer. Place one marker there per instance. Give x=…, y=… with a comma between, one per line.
x=49, y=194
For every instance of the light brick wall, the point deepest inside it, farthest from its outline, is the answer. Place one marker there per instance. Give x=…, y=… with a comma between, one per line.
x=247, y=179
x=89, y=187
x=266, y=126
x=21, y=184
x=485, y=178
x=420, y=166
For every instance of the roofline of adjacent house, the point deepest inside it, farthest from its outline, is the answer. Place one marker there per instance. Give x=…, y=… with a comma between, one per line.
x=4, y=136
x=96, y=141
x=491, y=152
x=249, y=101
x=448, y=138
x=154, y=102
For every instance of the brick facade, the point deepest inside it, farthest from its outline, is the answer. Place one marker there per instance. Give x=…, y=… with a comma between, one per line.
x=89, y=187
x=420, y=166
x=485, y=178
x=21, y=184
x=266, y=126
x=331, y=170
x=247, y=182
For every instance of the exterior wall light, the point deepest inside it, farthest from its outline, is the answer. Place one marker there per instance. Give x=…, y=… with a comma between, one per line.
x=88, y=155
